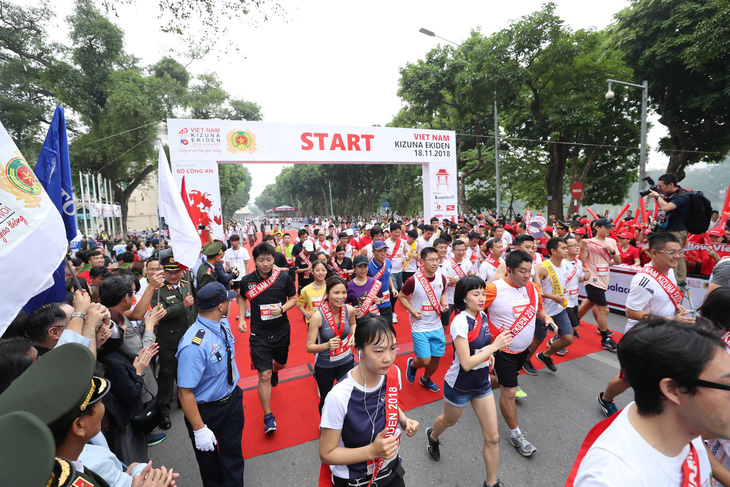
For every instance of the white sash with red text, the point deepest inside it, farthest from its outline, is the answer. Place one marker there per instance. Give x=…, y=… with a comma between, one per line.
x=263, y=285
x=602, y=251
x=306, y=261
x=666, y=284
x=457, y=268
x=430, y=294
x=369, y=299
x=391, y=417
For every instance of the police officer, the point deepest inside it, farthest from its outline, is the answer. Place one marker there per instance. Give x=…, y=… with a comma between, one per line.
x=210, y=398
x=177, y=297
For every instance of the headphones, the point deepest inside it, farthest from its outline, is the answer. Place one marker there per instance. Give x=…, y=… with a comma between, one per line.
x=359, y=354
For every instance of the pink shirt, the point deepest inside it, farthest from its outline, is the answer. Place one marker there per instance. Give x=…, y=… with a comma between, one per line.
x=599, y=261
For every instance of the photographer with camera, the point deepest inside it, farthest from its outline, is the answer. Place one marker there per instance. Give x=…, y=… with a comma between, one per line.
x=674, y=203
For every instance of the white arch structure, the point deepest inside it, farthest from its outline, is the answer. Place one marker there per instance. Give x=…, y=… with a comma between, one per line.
x=198, y=146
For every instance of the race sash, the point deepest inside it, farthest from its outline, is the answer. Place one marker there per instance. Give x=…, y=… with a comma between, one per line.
x=395, y=249
x=555, y=281
x=380, y=273
x=308, y=262
x=525, y=317
x=574, y=270
x=474, y=333
x=263, y=285
x=668, y=286
x=492, y=261
x=391, y=417
x=691, y=469
x=601, y=250
x=343, y=274
x=430, y=294
x=369, y=299
x=340, y=351
x=474, y=253
x=457, y=268
x=726, y=339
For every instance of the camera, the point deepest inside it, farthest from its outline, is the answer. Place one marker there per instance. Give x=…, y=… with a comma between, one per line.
x=652, y=186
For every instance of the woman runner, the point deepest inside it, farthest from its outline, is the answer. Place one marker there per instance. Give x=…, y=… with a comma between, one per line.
x=341, y=264
x=330, y=336
x=312, y=294
x=467, y=380
x=363, y=292
x=361, y=421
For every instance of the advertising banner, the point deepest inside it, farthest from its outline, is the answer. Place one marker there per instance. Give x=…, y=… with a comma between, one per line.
x=618, y=289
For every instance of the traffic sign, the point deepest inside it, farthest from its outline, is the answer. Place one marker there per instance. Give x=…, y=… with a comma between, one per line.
x=576, y=190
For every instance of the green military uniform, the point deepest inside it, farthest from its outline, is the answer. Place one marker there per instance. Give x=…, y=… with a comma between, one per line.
x=49, y=395
x=206, y=272
x=171, y=328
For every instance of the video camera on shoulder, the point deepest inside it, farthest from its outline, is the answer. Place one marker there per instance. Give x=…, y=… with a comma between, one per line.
x=652, y=187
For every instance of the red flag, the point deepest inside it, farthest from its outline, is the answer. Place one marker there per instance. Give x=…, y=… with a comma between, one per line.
x=193, y=211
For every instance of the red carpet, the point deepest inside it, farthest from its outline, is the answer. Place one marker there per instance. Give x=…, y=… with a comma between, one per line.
x=294, y=401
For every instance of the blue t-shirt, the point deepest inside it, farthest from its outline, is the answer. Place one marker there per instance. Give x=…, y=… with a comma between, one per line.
x=203, y=360
x=677, y=217
x=373, y=269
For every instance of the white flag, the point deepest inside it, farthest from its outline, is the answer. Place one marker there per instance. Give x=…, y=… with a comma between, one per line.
x=32, y=235
x=184, y=237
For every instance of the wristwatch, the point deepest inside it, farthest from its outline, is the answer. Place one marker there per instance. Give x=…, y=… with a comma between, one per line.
x=613, y=252
x=78, y=315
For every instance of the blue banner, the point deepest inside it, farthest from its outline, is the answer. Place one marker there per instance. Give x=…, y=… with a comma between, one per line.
x=53, y=170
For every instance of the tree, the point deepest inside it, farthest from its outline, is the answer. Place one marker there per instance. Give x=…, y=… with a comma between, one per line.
x=235, y=186
x=692, y=101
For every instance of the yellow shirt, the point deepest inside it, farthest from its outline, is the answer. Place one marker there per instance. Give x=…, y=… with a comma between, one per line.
x=311, y=298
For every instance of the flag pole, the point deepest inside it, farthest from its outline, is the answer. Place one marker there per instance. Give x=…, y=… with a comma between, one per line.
x=83, y=203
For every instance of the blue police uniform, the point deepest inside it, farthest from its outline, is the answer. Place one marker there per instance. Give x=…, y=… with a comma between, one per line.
x=206, y=355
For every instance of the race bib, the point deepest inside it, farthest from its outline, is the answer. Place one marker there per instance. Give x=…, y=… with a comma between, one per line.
x=266, y=310
x=427, y=309
x=317, y=302
x=340, y=352
x=386, y=295
x=518, y=305
x=573, y=291
x=483, y=364
x=602, y=271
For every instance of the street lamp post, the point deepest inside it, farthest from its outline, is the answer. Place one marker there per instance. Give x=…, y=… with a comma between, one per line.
x=644, y=87
x=496, y=125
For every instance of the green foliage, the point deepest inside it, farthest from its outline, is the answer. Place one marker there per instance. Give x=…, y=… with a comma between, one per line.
x=235, y=187
x=693, y=101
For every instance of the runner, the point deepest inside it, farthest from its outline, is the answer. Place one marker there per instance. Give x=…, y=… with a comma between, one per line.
x=653, y=291
x=377, y=236
x=361, y=421
x=303, y=265
x=424, y=298
x=551, y=276
x=330, y=335
x=364, y=292
x=425, y=240
x=410, y=263
x=271, y=294
x=598, y=253
x=467, y=380
x=311, y=296
x=251, y=232
x=344, y=241
x=576, y=275
x=679, y=374
x=513, y=304
x=342, y=264
x=456, y=268
x=488, y=268
x=396, y=247
x=237, y=258
x=379, y=268
x=628, y=253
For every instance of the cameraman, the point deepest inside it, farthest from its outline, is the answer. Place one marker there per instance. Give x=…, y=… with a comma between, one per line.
x=675, y=203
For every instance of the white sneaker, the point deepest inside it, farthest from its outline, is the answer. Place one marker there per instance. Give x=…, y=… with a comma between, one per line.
x=395, y=318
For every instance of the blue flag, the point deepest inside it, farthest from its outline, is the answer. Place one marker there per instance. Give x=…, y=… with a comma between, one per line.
x=54, y=173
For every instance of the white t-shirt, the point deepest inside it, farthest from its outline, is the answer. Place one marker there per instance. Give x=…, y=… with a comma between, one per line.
x=449, y=270
x=645, y=294
x=572, y=285
x=396, y=258
x=551, y=307
x=421, y=243
x=486, y=271
x=621, y=457
x=236, y=258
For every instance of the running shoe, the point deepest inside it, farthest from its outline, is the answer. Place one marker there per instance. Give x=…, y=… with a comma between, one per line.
x=155, y=438
x=433, y=447
x=498, y=484
x=529, y=368
x=523, y=446
x=608, y=332
x=552, y=340
x=559, y=352
x=547, y=361
x=575, y=334
x=248, y=313
x=274, y=379
x=520, y=394
x=609, y=345
x=395, y=319
x=562, y=352
x=269, y=423
x=410, y=371
x=429, y=384
x=607, y=408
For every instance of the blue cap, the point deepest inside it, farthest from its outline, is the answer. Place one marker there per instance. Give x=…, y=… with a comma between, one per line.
x=378, y=245
x=213, y=294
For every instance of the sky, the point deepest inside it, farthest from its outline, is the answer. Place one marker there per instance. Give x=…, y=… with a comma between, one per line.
x=337, y=62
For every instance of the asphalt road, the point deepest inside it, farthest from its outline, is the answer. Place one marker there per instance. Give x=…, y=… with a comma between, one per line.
x=558, y=412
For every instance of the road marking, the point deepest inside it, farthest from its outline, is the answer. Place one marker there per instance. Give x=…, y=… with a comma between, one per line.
x=603, y=358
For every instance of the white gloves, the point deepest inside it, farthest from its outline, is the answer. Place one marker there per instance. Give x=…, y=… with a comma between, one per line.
x=205, y=439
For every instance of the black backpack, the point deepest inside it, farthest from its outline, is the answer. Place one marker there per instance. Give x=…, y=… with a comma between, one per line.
x=699, y=214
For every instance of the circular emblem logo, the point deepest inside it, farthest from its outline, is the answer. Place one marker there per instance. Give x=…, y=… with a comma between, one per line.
x=241, y=141
x=21, y=176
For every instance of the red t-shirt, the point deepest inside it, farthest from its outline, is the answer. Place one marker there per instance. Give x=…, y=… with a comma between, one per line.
x=628, y=256
x=364, y=242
